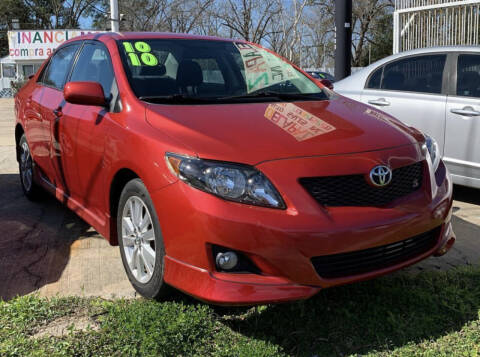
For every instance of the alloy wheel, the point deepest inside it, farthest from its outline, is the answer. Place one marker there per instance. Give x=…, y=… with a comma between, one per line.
x=138, y=238
x=26, y=167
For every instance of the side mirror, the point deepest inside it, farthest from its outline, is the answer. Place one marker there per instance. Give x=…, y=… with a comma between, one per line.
x=84, y=93
x=327, y=83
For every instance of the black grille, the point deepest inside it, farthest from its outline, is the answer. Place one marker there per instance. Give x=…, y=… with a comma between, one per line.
x=364, y=261
x=354, y=190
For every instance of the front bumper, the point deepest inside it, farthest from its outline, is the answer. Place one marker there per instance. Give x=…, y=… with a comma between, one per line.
x=282, y=242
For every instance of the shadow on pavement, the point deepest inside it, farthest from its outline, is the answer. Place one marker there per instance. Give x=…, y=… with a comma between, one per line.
x=35, y=240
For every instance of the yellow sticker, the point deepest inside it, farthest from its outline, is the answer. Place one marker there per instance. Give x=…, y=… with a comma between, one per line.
x=141, y=46
x=149, y=59
x=146, y=58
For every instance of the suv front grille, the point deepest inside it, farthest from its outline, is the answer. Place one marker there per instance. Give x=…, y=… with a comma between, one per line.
x=354, y=190
x=368, y=260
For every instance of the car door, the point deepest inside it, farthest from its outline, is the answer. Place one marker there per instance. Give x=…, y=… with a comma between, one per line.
x=413, y=90
x=462, y=135
x=49, y=102
x=84, y=128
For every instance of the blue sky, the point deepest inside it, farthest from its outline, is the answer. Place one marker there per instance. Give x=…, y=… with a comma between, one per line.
x=86, y=23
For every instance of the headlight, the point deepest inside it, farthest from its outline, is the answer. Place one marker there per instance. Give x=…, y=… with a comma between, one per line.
x=433, y=150
x=233, y=182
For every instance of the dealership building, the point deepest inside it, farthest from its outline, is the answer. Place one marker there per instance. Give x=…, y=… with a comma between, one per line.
x=27, y=49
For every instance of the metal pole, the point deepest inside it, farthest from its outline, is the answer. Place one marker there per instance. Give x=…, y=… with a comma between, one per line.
x=343, y=38
x=114, y=16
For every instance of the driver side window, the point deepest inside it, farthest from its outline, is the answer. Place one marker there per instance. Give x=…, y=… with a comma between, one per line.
x=94, y=65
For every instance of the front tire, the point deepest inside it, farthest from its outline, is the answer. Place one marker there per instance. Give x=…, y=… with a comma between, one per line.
x=140, y=240
x=26, y=166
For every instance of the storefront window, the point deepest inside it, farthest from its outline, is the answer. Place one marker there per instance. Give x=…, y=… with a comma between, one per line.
x=8, y=71
x=28, y=70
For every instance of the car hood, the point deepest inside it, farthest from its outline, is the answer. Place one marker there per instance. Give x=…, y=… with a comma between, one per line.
x=256, y=132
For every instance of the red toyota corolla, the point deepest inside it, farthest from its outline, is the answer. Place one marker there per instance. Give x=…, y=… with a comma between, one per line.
x=225, y=171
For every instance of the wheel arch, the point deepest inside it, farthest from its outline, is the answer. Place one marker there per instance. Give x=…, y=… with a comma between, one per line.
x=120, y=179
x=19, y=131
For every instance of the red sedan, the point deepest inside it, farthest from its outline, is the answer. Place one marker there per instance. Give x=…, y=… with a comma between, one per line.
x=223, y=170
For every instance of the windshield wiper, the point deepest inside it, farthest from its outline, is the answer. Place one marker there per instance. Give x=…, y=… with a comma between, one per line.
x=177, y=99
x=184, y=99
x=277, y=95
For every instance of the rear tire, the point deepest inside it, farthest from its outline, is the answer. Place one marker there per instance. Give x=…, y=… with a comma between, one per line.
x=140, y=240
x=26, y=167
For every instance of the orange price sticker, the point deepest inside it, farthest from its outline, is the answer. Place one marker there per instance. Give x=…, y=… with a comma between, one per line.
x=299, y=123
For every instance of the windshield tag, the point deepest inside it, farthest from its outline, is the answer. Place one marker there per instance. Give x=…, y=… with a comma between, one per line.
x=140, y=49
x=262, y=68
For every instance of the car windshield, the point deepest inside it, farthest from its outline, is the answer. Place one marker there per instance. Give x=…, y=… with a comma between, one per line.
x=182, y=71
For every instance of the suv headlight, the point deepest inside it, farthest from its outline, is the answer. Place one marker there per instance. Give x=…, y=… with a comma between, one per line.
x=432, y=147
x=233, y=182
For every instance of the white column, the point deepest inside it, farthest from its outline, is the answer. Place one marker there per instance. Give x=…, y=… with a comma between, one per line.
x=396, y=32
x=114, y=20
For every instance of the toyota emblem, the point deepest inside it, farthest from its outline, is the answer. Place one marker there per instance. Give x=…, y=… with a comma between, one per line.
x=381, y=175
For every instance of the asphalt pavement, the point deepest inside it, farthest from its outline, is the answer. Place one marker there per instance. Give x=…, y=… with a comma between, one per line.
x=46, y=249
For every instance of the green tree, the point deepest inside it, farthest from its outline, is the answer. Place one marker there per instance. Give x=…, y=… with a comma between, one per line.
x=52, y=14
x=382, y=39
x=40, y=15
x=11, y=9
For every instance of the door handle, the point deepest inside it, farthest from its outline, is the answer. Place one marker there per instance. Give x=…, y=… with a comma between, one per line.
x=381, y=102
x=466, y=111
x=58, y=112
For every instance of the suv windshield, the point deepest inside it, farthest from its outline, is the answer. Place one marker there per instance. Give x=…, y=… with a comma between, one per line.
x=204, y=71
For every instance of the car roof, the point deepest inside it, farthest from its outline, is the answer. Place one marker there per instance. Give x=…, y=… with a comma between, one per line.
x=435, y=49
x=360, y=76
x=147, y=35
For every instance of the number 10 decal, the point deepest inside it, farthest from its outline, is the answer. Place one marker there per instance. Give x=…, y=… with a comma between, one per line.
x=146, y=58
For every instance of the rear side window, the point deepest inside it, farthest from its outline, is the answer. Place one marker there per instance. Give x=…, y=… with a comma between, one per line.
x=94, y=65
x=59, y=67
x=375, y=79
x=421, y=74
x=468, y=76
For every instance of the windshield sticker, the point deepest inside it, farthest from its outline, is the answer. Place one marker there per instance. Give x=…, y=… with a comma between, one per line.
x=263, y=69
x=139, y=54
x=299, y=123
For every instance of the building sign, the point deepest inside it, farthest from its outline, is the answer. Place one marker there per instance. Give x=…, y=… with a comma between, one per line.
x=38, y=44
